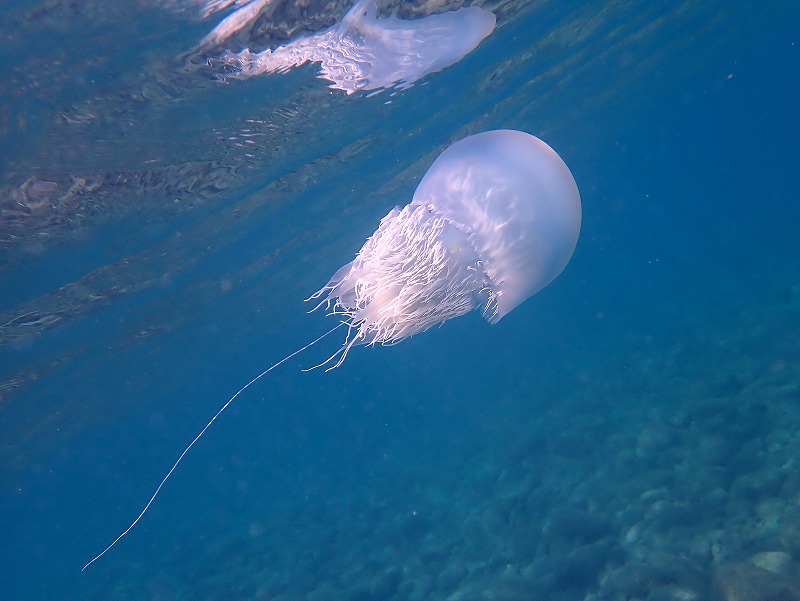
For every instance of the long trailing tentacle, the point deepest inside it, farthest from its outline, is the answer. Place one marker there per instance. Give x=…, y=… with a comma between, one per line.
x=203, y=431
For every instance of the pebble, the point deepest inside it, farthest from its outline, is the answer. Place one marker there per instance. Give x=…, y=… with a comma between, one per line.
x=748, y=582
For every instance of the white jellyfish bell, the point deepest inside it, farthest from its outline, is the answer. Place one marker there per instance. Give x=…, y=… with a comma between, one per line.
x=494, y=220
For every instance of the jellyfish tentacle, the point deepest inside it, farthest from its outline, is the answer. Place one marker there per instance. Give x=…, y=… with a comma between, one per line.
x=417, y=271
x=203, y=431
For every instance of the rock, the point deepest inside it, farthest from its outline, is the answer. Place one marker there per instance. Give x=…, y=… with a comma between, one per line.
x=748, y=582
x=774, y=561
x=764, y=482
x=576, y=526
x=449, y=579
x=524, y=541
x=634, y=533
x=656, y=570
x=580, y=568
x=673, y=593
x=791, y=486
x=385, y=585
x=790, y=531
x=714, y=450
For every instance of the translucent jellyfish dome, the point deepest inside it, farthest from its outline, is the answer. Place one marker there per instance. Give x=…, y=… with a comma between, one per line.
x=494, y=220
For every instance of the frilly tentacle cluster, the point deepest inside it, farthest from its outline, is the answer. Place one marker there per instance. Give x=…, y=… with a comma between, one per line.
x=416, y=271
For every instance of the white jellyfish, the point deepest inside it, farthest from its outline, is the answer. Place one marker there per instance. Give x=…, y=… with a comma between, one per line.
x=363, y=52
x=494, y=220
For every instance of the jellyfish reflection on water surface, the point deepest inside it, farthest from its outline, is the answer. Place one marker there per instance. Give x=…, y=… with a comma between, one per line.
x=494, y=220
x=365, y=52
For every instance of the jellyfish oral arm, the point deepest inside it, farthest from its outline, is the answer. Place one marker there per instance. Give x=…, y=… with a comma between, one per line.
x=416, y=271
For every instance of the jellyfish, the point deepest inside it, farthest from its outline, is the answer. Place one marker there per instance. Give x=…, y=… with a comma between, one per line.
x=494, y=220
x=363, y=52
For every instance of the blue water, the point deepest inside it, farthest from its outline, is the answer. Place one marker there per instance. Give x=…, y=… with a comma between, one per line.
x=631, y=432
